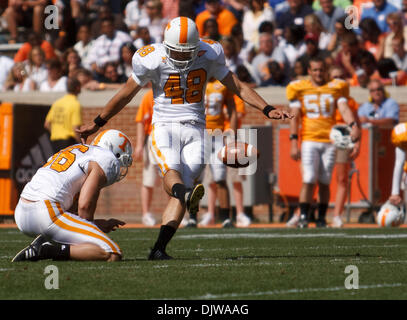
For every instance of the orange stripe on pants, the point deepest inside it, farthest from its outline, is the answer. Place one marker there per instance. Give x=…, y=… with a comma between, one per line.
x=158, y=153
x=65, y=226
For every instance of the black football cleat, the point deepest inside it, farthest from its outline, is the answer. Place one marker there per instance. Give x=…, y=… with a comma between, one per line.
x=303, y=222
x=31, y=253
x=227, y=224
x=191, y=224
x=156, y=254
x=321, y=223
x=194, y=197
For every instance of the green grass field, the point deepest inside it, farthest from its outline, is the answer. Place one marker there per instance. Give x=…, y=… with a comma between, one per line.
x=222, y=264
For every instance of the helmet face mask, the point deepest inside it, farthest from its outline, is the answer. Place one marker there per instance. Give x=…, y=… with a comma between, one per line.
x=119, y=144
x=181, y=41
x=340, y=137
x=180, y=59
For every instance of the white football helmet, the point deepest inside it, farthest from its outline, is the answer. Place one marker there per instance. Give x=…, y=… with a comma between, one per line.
x=390, y=215
x=117, y=142
x=340, y=136
x=181, y=41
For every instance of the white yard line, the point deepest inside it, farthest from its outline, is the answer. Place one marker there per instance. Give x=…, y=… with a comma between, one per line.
x=290, y=291
x=296, y=235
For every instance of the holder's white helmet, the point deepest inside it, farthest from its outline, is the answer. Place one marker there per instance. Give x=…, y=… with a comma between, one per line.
x=118, y=143
x=181, y=41
x=340, y=136
x=390, y=215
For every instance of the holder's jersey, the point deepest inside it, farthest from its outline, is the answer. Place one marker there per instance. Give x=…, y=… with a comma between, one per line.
x=318, y=106
x=215, y=98
x=179, y=96
x=62, y=177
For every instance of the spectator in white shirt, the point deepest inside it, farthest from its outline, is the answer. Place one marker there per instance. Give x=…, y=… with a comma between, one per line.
x=143, y=38
x=106, y=48
x=244, y=48
x=231, y=56
x=84, y=44
x=134, y=12
x=257, y=12
x=18, y=79
x=154, y=21
x=35, y=66
x=55, y=81
x=313, y=25
x=126, y=55
x=6, y=64
x=293, y=44
x=399, y=53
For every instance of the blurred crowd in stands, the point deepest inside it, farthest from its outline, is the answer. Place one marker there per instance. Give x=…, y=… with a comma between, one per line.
x=266, y=42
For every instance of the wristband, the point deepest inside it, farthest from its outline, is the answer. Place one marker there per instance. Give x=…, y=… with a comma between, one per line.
x=99, y=121
x=293, y=136
x=267, y=110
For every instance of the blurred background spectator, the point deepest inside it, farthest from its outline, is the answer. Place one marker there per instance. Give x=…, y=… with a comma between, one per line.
x=6, y=64
x=106, y=48
x=328, y=14
x=83, y=44
x=55, y=81
x=134, y=12
x=293, y=45
x=154, y=19
x=143, y=37
x=71, y=61
x=214, y=9
x=379, y=11
x=245, y=49
x=127, y=51
x=254, y=14
x=231, y=54
x=18, y=79
x=35, y=66
x=295, y=13
x=29, y=14
x=372, y=38
x=399, y=53
x=313, y=25
x=111, y=75
x=397, y=29
x=381, y=109
x=34, y=39
x=211, y=29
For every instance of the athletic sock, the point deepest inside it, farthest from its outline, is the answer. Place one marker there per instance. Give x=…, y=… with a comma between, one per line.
x=165, y=235
x=55, y=251
x=178, y=191
x=322, y=208
x=304, y=209
x=193, y=216
x=224, y=213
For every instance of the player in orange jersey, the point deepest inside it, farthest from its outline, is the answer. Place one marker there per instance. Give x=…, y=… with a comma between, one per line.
x=315, y=101
x=242, y=220
x=216, y=97
x=399, y=140
x=142, y=151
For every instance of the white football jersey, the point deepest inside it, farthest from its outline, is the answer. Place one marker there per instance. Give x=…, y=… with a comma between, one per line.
x=62, y=177
x=179, y=96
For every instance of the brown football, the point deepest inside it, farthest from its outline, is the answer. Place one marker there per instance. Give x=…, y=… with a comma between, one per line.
x=238, y=154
